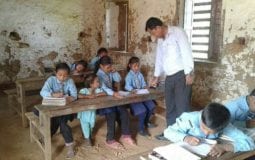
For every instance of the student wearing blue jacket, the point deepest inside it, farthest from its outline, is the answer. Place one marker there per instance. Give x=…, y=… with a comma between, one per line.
x=211, y=122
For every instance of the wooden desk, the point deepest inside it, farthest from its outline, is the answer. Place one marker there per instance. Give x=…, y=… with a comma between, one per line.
x=47, y=112
x=24, y=98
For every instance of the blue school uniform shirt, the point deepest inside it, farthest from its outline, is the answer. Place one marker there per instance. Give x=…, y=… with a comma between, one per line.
x=134, y=81
x=107, y=79
x=92, y=63
x=90, y=115
x=239, y=109
x=188, y=124
x=53, y=85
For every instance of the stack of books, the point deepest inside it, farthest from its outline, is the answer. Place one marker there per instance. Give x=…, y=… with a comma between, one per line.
x=50, y=101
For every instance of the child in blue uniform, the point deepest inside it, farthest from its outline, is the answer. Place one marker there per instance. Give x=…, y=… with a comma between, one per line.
x=242, y=108
x=211, y=123
x=87, y=118
x=79, y=67
x=135, y=80
x=100, y=53
x=59, y=86
x=105, y=75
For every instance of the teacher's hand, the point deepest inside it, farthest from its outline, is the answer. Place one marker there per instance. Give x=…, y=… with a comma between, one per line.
x=154, y=82
x=189, y=79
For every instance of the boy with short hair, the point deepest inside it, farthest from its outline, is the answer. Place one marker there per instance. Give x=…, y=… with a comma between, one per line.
x=211, y=123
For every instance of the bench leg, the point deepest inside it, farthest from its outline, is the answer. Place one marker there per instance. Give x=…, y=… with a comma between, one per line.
x=31, y=129
x=47, y=136
x=23, y=117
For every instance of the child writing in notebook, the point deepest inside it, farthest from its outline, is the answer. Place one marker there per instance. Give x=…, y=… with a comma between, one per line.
x=143, y=110
x=113, y=113
x=61, y=86
x=87, y=118
x=211, y=123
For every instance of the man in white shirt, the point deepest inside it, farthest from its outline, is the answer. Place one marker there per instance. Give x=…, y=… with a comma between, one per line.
x=174, y=59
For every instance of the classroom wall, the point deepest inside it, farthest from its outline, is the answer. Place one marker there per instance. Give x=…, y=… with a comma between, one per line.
x=139, y=12
x=234, y=74
x=37, y=34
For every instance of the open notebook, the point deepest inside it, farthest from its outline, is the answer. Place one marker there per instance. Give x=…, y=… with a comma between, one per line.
x=182, y=151
x=54, y=101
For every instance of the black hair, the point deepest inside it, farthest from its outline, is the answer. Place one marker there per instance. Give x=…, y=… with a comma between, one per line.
x=131, y=61
x=215, y=116
x=81, y=62
x=90, y=79
x=152, y=23
x=100, y=50
x=105, y=60
x=62, y=66
x=252, y=92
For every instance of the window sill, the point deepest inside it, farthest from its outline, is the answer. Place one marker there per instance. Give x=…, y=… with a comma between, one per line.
x=207, y=61
x=122, y=53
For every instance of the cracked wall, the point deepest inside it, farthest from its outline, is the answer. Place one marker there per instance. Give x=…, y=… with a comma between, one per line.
x=138, y=40
x=38, y=34
x=234, y=74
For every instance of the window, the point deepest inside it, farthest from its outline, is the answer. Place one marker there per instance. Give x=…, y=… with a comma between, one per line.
x=116, y=25
x=201, y=23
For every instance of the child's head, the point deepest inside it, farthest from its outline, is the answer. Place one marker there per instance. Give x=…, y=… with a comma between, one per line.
x=251, y=101
x=105, y=64
x=133, y=64
x=215, y=117
x=62, y=71
x=81, y=66
x=102, y=52
x=92, y=81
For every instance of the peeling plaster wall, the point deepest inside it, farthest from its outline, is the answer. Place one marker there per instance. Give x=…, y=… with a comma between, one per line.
x=38, y=34
x=234, y=74
x=139, y=12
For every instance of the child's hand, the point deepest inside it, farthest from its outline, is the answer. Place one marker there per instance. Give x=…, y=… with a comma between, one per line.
x=117, y=95
x=133, y=91
x=69, y=99
x=57, y=95
x=192, y=140
x=219, y=149
x=91, y=96
x=154, y=82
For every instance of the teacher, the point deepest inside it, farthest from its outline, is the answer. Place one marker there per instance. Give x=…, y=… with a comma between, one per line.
x=173, y=59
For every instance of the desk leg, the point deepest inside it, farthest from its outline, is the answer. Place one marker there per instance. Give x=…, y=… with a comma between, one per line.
x=45, y=122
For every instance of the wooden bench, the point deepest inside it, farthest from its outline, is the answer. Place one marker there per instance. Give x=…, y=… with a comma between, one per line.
x=28, y=95
x=42, y=125
x=12, y=98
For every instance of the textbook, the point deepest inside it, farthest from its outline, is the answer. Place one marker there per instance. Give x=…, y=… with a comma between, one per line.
x=50, y=101
x=123, y=93
x=142, y=91
x=182, y=151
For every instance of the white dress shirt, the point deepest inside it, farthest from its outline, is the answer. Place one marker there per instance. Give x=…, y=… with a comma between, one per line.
x=173, y=53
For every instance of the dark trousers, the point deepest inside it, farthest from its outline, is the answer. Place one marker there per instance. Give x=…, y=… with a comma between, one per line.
x=111, y=117
x=61, y=122
x=177, y=96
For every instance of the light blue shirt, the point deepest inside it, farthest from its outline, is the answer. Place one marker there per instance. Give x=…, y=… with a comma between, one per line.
x=173, y=53
x=188, y=124
x=53, y=85
x=130, y=81
x=238, y=108
x=92, y=63
x=108, y=88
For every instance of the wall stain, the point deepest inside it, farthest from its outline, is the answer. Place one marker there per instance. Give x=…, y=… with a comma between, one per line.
x=14, y=36
x=23, y=45
x=11, y=68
